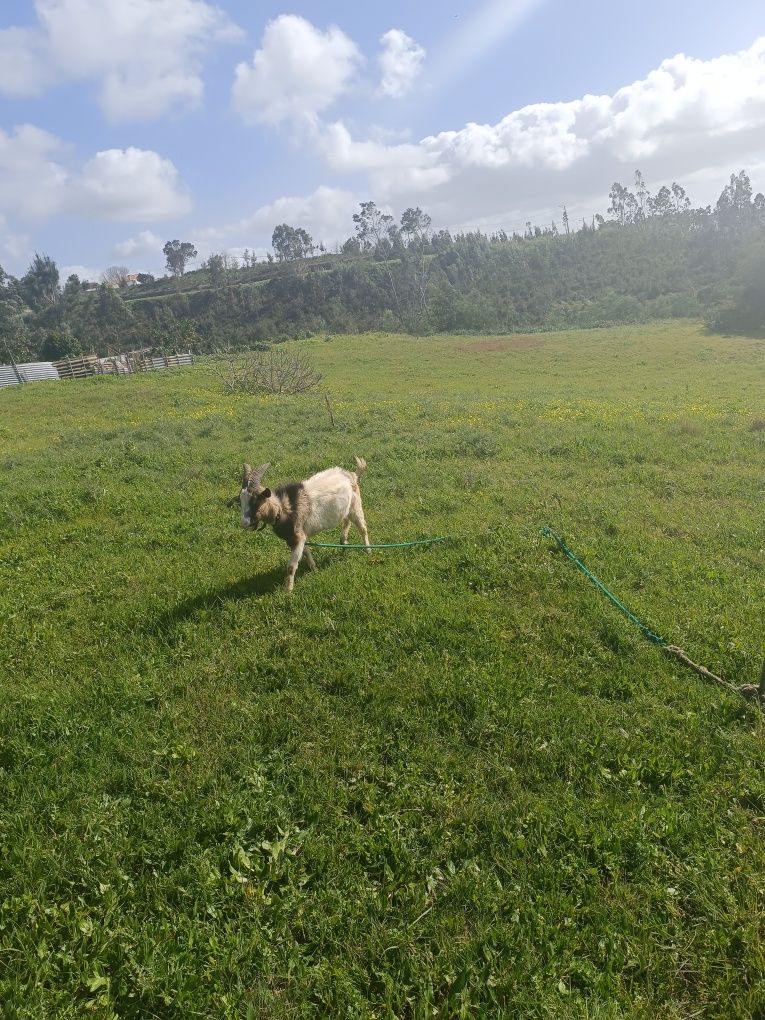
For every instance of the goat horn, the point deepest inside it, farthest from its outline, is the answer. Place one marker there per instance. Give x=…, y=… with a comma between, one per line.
x=256, y=475
x=246, y=474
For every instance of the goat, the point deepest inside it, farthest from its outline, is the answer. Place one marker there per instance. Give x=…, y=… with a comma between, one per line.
x=298, y=510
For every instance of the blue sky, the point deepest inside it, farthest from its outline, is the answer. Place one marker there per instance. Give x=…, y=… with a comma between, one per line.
x=131, y=122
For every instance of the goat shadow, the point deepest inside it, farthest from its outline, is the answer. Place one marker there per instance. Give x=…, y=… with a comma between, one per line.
x=265, y=583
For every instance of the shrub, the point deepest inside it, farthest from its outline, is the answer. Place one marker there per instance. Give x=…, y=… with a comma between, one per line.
x=281, y=370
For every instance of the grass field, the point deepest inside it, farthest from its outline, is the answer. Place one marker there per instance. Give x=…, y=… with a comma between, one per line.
x=442, y=782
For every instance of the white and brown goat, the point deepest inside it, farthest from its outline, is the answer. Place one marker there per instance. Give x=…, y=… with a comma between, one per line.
x=298, y=510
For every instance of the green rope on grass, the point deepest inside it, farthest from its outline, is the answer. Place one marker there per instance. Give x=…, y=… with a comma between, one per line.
x=382, y=545
x=656, y=638
x=749, y=692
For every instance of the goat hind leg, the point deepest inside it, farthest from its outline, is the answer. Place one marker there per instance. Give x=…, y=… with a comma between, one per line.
x=357, y=516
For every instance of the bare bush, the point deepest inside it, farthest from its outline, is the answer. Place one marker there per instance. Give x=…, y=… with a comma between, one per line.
x=230, y=365
x=280, y=370
x=115, y=276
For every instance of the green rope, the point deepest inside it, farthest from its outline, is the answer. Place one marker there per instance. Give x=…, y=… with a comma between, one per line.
x=549, y=533
x=383, y=545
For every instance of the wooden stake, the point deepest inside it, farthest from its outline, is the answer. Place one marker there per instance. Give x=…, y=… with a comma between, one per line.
x=329, y=409
x=19, y=377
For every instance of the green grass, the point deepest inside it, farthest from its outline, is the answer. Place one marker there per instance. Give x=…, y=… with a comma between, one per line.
x=439, y=782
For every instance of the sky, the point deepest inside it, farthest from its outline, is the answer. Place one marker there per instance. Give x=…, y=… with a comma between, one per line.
x=128, y=123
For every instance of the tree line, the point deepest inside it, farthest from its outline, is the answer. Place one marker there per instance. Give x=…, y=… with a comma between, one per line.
x=649, y=256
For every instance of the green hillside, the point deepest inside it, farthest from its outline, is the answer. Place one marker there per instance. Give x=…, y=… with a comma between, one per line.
x=655, y=257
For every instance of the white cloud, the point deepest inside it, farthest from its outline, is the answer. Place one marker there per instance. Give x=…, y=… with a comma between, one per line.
x=145, y=244
x=297, y=72
x=320, y=212
x=146, y=54
x=408, y=162
x=400, y=63
x=685, y=116
x=33, y=180
x=85, y=273
x=40, y=179
x=344, y=153
x=389, y=136
x=325, y=214
x=130, y=184
x=14, y=246
x=24, y=68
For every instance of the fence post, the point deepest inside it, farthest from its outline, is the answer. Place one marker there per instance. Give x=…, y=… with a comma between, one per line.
x=19, y=378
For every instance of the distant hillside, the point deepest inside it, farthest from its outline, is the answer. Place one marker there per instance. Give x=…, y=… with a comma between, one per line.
x=654, y=257
x=685, y=264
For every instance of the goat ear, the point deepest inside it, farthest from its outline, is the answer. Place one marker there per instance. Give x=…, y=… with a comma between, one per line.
x=265, y=493
x=234, y=501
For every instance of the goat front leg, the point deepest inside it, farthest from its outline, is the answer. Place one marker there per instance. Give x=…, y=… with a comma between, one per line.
x=297, y=553
x=309, y=558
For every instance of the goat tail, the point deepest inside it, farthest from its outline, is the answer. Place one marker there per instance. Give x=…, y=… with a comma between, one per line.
x=361, y=465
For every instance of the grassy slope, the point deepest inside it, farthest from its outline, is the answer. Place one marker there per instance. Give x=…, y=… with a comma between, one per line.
x=199, y=279
x=440, y=782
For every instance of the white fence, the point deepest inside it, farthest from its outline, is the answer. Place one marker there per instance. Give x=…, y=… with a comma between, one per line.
x=33, y=371
x=171, y=361
x=89, y=364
